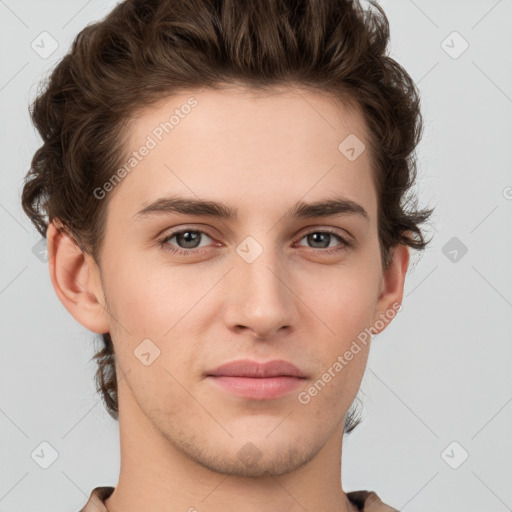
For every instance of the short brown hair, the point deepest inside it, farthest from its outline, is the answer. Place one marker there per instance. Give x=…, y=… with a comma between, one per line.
x=146, y=50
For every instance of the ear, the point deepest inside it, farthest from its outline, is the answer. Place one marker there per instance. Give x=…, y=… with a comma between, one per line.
x=76, y=279
x=392, y=287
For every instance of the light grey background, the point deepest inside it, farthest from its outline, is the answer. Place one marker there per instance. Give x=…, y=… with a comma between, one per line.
x=441, y=372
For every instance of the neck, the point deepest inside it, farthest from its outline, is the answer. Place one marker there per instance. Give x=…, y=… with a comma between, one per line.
x=156, y=474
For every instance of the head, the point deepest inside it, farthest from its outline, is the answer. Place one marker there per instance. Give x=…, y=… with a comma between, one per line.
x=255, y=105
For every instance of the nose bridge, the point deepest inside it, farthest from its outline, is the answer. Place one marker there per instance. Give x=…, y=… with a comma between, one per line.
x=260, y=298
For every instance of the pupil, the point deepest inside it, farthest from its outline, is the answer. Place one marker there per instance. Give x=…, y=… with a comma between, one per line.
x=188, y=237
x=315, y=237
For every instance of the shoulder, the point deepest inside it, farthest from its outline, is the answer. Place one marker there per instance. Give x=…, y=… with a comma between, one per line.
x=97, y=498
x=368, y=501
x=365, y=501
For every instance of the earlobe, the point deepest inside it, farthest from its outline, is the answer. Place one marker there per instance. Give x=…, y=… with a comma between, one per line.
x=74, y=277
x=392, y=289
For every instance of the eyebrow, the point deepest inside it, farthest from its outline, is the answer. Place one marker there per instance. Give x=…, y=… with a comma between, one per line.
x=301, y=210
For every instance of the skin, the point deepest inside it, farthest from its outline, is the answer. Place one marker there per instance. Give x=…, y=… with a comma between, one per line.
x=180, y=435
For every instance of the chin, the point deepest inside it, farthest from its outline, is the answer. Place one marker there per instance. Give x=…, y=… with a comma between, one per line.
x=250, y=456
x=252, y=462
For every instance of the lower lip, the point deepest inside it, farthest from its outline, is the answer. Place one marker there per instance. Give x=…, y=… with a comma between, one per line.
x=257, y=388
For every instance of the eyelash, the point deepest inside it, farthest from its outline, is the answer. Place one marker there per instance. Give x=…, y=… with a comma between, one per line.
x=190, y=252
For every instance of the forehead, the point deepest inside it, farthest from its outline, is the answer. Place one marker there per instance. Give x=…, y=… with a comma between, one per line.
x=265, y=148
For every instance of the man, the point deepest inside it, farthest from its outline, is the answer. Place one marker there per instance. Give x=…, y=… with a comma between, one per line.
x=223, y=186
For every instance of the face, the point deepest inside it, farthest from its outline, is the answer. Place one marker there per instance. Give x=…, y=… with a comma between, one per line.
x=189, y=290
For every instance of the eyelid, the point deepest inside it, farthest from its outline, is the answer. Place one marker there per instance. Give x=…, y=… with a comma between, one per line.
x=169, y=232
x=165, y=236
x=345, y=242
x=305, y=231
x=342, y=233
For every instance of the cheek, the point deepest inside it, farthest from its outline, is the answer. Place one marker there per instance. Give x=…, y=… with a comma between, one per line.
x=149, y=302
x=331, y=393
x=344, y=300
x=152, y=311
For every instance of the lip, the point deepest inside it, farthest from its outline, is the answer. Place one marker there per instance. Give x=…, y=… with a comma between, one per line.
x=257, y=381
x=249, y=368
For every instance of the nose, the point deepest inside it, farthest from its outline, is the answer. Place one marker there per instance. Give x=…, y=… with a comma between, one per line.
x=261, y=298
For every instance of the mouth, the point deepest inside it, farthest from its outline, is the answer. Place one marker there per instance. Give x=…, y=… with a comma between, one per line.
x=257, y=381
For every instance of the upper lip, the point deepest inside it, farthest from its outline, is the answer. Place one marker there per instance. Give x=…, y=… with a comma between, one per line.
x=248, y=368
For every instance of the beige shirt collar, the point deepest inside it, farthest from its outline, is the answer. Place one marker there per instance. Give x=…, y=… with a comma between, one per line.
x=365, y=501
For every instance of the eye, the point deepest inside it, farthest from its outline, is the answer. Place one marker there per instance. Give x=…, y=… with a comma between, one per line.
x=322, y=240
x=187, y=240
